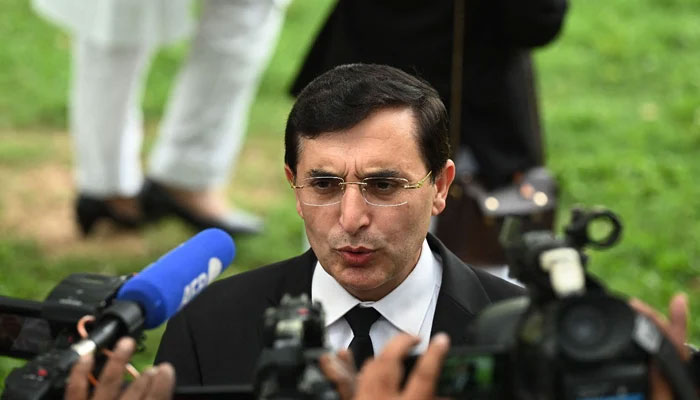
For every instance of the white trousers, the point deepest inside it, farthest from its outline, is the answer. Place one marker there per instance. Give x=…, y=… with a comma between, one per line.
x=202, y=130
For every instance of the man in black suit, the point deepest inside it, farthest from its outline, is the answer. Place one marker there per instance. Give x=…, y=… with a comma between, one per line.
x=366, y=151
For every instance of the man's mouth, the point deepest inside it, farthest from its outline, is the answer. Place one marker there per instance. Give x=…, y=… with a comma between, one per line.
x=356, y=256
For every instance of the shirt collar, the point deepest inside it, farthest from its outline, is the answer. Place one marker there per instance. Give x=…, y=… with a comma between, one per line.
x=405, y=307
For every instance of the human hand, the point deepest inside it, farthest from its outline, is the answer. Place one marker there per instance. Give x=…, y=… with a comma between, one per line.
x=380, y=378
x=340, y=369
x=675, y=329
x=155, y=383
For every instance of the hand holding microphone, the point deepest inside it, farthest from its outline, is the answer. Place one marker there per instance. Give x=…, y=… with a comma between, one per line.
x=143, y=302
x=155, y=383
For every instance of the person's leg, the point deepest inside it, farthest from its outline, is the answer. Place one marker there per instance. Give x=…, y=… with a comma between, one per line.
x=205, y=122
x=105, y=122
x=105, y=118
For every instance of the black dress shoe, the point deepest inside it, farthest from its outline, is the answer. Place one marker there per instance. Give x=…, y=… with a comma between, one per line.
x=157, y=202
x=89, y=210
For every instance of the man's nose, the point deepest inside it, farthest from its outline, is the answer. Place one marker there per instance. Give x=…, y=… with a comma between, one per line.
x=354, y=211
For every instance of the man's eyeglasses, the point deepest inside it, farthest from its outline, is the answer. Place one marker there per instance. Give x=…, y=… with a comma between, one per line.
x=377, y=191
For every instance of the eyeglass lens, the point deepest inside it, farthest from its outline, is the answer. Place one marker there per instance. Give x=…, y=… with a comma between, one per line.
x=376, y=191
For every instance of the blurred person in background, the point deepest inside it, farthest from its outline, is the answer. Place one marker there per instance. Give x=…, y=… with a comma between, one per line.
x=205, y=120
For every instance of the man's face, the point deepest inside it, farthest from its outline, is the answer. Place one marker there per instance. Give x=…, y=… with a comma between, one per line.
x=369, y=249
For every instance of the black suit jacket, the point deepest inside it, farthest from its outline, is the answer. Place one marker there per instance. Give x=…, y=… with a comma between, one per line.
x=216, y=340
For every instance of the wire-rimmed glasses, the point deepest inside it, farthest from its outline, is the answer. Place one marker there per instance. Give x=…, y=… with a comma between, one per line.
x=322, y=191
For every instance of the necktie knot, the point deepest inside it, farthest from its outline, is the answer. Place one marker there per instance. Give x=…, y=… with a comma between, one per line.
x=361, y=319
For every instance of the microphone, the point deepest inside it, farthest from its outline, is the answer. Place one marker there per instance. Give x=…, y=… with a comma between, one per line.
x=144, y=301
x=168, y=284
x=164, y=287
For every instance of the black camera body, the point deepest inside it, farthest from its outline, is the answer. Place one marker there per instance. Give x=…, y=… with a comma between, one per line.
x=47, y=332
x=29, y=328
x=569, y=339
x=580, y=348
x=294, y=339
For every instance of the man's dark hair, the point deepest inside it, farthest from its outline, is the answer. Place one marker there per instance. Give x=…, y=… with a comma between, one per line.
x=348, y=94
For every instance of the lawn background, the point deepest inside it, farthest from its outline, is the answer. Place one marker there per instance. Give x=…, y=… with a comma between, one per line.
x=620, y=100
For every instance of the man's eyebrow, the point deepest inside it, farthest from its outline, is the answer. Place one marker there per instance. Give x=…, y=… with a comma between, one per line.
x=316, y=172
x=384, y=173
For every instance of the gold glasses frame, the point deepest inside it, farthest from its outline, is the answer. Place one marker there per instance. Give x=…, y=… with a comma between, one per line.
x=363, y=188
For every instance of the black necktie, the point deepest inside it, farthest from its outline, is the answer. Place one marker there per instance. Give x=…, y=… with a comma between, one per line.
x=360, y=320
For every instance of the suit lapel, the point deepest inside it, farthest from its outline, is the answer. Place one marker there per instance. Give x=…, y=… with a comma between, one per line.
x=295, y=280
x=461, y=295
x=298, y=278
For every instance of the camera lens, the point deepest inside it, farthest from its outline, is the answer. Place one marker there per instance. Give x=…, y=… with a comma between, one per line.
x=584, y=326
x=593, y=328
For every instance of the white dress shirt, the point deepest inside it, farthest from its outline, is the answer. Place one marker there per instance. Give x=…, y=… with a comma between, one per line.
x=409, y=308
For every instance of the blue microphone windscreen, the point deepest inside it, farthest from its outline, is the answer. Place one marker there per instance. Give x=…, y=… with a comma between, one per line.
x=171, y=282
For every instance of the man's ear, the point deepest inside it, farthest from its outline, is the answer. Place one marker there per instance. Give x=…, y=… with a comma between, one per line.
x=290, y=179
x=442, y=186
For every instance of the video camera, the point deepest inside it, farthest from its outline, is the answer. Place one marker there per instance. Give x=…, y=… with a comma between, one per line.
x=53, y=334
x=569, y=338
x=48, y=333
x=288, y=367
x=294, y=337
x=29, y=328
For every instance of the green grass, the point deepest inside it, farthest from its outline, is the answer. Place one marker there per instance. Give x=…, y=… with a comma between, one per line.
x=620, y=101
x=622, y=119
